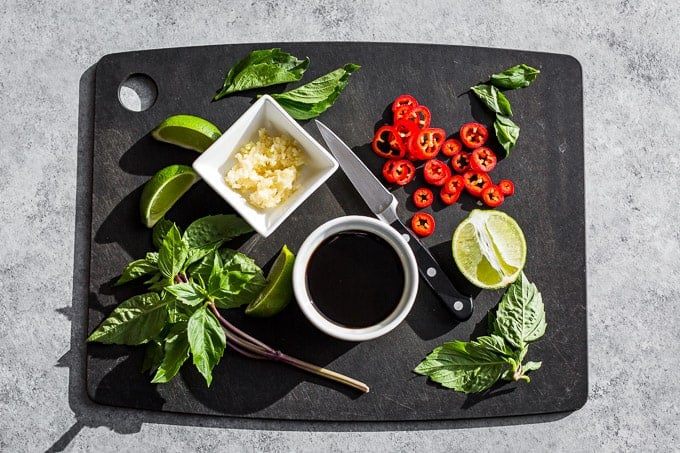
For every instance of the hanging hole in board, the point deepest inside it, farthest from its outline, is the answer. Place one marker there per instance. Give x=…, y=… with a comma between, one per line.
x=138, y=92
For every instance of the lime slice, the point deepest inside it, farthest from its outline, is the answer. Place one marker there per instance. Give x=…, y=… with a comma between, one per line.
x=187, y=131
x=279, y=290
x=489, y=248
x=162, y=191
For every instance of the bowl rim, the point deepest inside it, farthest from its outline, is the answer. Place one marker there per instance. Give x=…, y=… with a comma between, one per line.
x=206, y=164
x=353, y=223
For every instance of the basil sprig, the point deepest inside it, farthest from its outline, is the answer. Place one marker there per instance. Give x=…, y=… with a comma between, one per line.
x=520, y=76
x=476, y=365
x=314, y=98
x=262, y=68
x=187, y=274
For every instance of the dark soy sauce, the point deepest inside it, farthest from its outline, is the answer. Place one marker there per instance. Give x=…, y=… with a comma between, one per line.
x=355, y=278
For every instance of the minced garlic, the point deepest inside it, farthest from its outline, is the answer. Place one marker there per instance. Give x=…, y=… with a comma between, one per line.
x=266, y=171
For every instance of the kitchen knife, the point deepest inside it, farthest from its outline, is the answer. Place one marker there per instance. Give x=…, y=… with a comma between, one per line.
x=384, y=205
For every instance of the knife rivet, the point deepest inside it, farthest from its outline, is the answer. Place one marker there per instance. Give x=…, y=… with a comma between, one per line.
x=458, y=305
x=407, y=237
x=431, y=271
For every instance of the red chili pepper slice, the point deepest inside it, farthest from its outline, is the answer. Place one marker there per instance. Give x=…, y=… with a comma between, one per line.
x=451, y=146
x=405, y=130
x=401, y=113
x=404, y=100
x=476, y=182
x=452, y=188
x=403, y=172
x=387, y=143
x=422, y=224
x=507, y=187
x=436, y=172
x=426, y=144
x=473, y=135
x=423, y=197
x=483, y=159
x=492, y=196
x=418, y=115
x=460, y=162
x=387, y=170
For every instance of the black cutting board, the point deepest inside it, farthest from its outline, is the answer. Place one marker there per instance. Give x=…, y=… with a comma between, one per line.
x=546, y=166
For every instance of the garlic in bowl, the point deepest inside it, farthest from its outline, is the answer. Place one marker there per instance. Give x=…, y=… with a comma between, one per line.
x=265, y=165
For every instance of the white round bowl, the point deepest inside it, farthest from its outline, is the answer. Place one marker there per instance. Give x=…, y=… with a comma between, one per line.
x=355, y=223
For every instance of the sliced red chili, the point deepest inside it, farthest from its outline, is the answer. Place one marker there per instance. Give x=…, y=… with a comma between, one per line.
x=451, y=146
x=387, y=143
x=483, y=159
x=476, y=182
x=452, y=188
x=404, y=100
x=419, y=115
x=388, y=168
x=422, y=224
x=473, y=135
x=403, y=172
x=507, y=187
x=492, y=196
x=426, y=144
x=436, y=172
x=423, y=197
x=460, y=162
x=405, y=130
x=401, y=112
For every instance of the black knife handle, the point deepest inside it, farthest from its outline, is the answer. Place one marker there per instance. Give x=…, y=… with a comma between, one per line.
x=459, y=304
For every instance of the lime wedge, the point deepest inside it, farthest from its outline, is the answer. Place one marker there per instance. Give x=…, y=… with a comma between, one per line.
x=489, y=248
x=279, y=290
x=162, y=191
x=187, y=131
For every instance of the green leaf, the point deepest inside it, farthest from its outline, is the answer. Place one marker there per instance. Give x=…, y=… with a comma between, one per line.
x=153, y=355
x=507, y=132
x=209, y=230
x=521, y=316
x=135, y=321
x=160, y=229
x=175, y=353
x=493, y=99
x=173, y=253
x=206, y=341
x=314, y=98
x=136, y=269
x=188, y=293
x=531, y=366
x=262, y=68
x=468, y=367
x=519, y=76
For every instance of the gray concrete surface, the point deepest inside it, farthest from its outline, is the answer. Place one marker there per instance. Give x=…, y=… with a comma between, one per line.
x=630, y=57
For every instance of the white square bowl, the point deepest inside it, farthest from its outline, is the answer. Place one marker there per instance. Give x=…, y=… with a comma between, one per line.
x=214, y=162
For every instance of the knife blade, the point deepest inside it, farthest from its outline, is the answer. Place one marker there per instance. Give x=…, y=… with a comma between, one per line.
x=384, y=205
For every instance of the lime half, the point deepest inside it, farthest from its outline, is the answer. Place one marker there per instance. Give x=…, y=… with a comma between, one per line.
x=489, y=248
x=279, y=290
x=187, y=131
x=164, y=189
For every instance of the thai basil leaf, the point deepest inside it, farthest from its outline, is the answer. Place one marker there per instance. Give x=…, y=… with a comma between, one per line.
x=135, y=321
x=173, y=253
x=314, y=98
x=136, y=269
x=207, y=341
x=507, y=132
x=493, y=99
x=468, y=367
x=213, y=229
x=262, y=68
x=188, y=293
x=175, y=353
x=160, y=229
x=521, y=316
x=519, y=76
